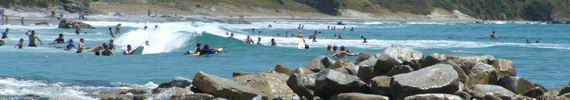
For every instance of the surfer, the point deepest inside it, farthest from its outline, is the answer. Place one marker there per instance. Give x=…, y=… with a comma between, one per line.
x=352, y=29
x=493, y=35
x=32, y=38
x=77, y=28
x=81, y=45
x=128, y=51
x=528, y=41
x=106, y=51
x=117, y=29
x=196, y=49
x=273, y=42
x=59, y=39
x=5, y=33
x=111, y=32
x=111, y=45
x=329, y=48
x=70, y=45
x=207, y=50
x=258, y=40
x=248, y=40
x=364, y=41
x=147, y=43
x=20, y=44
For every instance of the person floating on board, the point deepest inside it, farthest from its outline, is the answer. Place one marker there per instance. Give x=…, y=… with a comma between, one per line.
x=32, y=38
x=493, y=35
x=20, y=44
x=70, y=45
x=196, y=49
x=59, y=39
x=81, y=46
x=128, y=51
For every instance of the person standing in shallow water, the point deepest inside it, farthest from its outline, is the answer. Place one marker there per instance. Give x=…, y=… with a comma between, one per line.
x=20, y=44
x=118, y=29
x=493, y=35
x=273, y=42
x=81, y=46
x=258, y=40
x=32, y=38
x=77, y=28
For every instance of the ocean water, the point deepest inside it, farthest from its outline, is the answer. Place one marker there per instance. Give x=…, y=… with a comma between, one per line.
x=56, y=73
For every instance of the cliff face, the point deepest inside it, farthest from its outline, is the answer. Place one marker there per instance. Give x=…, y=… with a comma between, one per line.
x=534, y=10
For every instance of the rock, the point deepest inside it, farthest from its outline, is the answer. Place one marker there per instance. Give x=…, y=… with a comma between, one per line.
x=282, y=69
x=358, y=96
x=195, y=96
x=221, y=87
x=177, y=82
x=467, y=62
x=480, y=90
x=69, y=24
x=236, y=74
x=404, y=54
x=384, y=64
x=464, y=95
x=302, y=84
x=517, y=85
x=76, y=6
x=330, y=83
x=345, y=67
x=128, y=94
x=400, y=70
x=320, y=63
x=564, y=90
x=219, y=99
x=369, y=62
x=362, y=58
x=463, y=77
x=535, y=92
x=178, y=93
x=365, y=73
x=433, y=59
x=273, y=85
x=482, y=74
x=381, y=85
x=439, y=78
x=41, y=23
x=302, y=70
x=504, y=67
x=435, y=96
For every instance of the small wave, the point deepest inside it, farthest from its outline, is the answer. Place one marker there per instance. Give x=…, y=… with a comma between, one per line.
x=15, y=87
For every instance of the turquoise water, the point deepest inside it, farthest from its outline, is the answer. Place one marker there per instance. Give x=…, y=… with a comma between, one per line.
x=543, y=62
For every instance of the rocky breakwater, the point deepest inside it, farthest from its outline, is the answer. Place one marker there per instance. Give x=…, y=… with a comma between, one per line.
x=398, y=73
x=70, y=24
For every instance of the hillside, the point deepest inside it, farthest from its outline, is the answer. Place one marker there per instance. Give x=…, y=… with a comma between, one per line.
x=532, y=10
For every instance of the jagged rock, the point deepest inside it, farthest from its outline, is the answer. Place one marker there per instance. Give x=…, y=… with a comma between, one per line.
x=467, y=62
x=177, y=82
x=282, y=69
x=302, y=84
x=480, y=90
x=433, y=59
x=517, y=85
x=195, y=96
x=236, y=74
x=302, y=70
x=463, y=77
x=128, y=94
x=564, y=90
x=535, y=92
x=434, y=96
x=345, y=67
x=439, y=78
x=358, y=96
x=362, y=58
x=69, y=24
x=464, y=95
x=369, y=62
x=381, y=85
x=273, y=85
x=504, y=67
x=221, y=87
x=400, y=70
x=219, y=99
x=482, y=74
x=320, y=63
x=365, y=73
x=330, y=83
x=384, y=64
x=403, y=55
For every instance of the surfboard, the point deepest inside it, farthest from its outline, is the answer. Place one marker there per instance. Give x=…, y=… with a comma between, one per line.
x=138, y=51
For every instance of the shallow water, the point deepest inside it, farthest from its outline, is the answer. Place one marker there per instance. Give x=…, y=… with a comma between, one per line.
x=47, y=70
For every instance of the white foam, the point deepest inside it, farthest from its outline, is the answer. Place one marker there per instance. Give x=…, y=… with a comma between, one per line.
x=11, y=86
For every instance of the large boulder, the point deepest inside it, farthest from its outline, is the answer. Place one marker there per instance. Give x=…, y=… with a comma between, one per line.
x=480, y=90
x=400, y=70
x=345, y=67
x=564, y=90
x=363, y=57
x=467, y=62
x=303, y=84
x=272, y=84
x=125, y=94
x=482, y=73
x=434, y=96
x=221, y=87
x=365, y=73
x=397, y=55
x=535, y=92
x=320, y=63
x=177, y=82
x=381, y=85
x=330, y=83
x=194, y=96
x=358, y=96
x=69, y=24
x=505, y=67
x=433, y=59
x=440, y=78
x=282, y=69
x=518, y=85
x=302, y=70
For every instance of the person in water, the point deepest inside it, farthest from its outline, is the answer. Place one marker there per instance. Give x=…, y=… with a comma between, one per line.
x=155, y=27
x=111, y=32
x=339, y=37
x=248, y=40
x=118, y=29
x=329, y=48
x=5, y=33
x=20, y=44
x=197, y=49
x=145, y=27
x=258, y=40
x=70, y=45
x=59, y=39
x=147, y=43
x=352, y=29
x=493, y=35
x=128, y=51
x=206, y=50
x=77, y=28
x=81, y=46
x=273, y=42
x=106, y=51
x=528, y=41
x=111, y=45
x=364, y=41
x=32, y=38
x=334, y=48
x=231, y=34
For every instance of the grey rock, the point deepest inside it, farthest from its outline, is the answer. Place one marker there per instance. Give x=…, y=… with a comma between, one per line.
x=221, y=87
x=194, y=96
x=358, y=96
x=518, y=85
x=464, y=95
x=434, y=96
x=404, y=55
x=384, y=64
x=128, y=94
x=439, y=78
x=365, y=73
x=400, y=70
x=345, y=67
x=381, y=85
x=482, y=74
x=564, y=90
x=433, y=59
x=467, y=62
x=69, y=24
x=272, y=84
x=363, y=57
x=320, y=63
x=302, y=84
x=330, y=83
x=535, y=92
x=177, y=82
x=505, y=67
x=302, y=70
x=282, y=69
x=480, y=90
